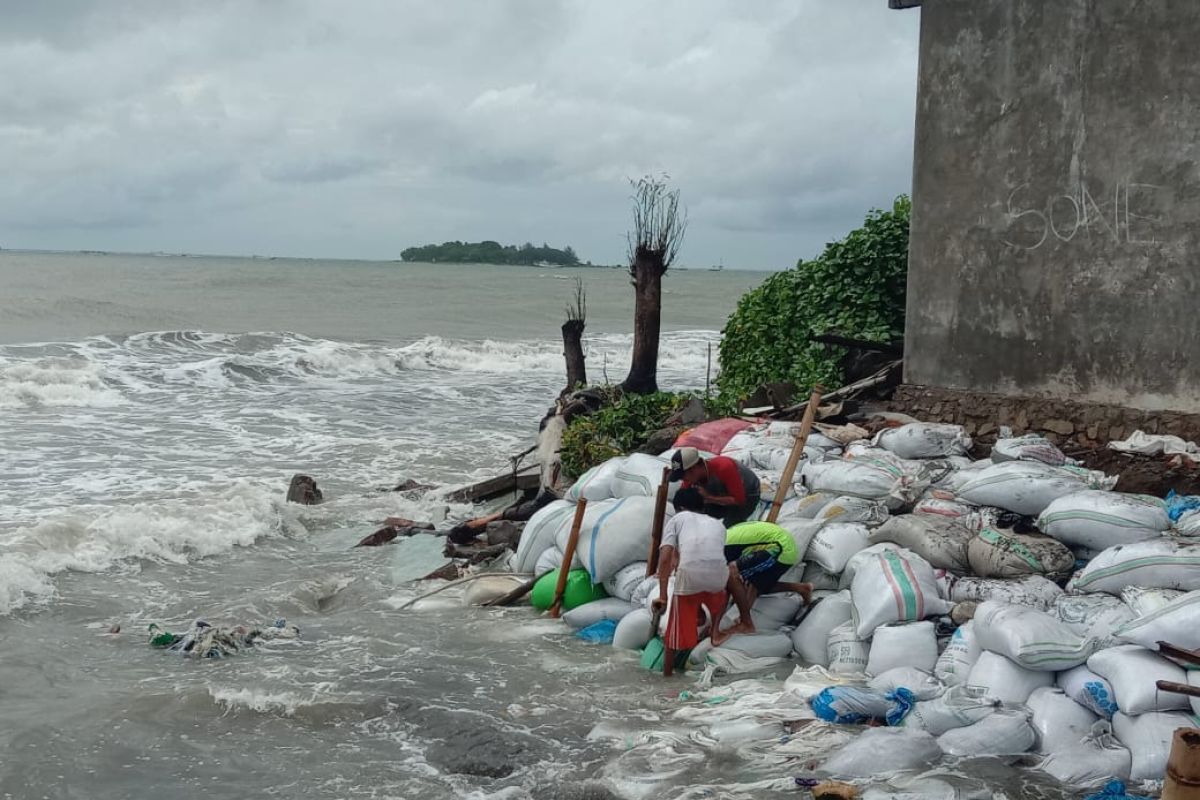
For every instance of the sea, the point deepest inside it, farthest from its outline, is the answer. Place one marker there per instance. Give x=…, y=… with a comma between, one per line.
x=152, y=412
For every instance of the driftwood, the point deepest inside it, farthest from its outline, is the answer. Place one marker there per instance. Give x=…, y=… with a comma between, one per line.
x=517, y=593
x=878, y=378
x=523, y=480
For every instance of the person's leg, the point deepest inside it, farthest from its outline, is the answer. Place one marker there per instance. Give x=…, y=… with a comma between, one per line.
x=681, y=629
x=743, y=598
x=716, y=603
x=805, y=590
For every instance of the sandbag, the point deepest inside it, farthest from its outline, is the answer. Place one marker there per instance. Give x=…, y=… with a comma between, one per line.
x=892, y=587
x=1090, y=762
x=922, y=684
x=1133, y=671
x=853, y=509
x=924, y=440
x=626, y=580
x=1004, y=553
x=646, y=591
x=819, y=578
x=540, y=534
x=957, y=707
x=1159, y=564
x=1143, y=600
x=549, y=560
x=596, y=483
x=940, y=506
x=802, y=531
x=1097, y=520
x=1022, y=487
x=1030, y=447
x=1058, y=720
x=938, y=539
x=1090, y=690
x=1007, y=732
x=835, y=543
x=852, y=705
x=1148, y=737
x=770, y=612
x=712, y=436
x=1034, y=591
x=490, y=587
x=610, y=608
x=1030, y=638
x=811, y=504
x=882, y=750
x=1093, y=616
x=639, y=475
x=880, y=476
x=1178, y=623
x=614, y=534
x=577, y=591
x=633, y=631
x=847, y=651
x=1006, y=681
x=912, y=644
x=810, y=639
x=954, y=664
x=753, y=645
x=846, y=580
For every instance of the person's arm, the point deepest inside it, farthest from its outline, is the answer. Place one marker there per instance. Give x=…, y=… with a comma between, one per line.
x=725, y=470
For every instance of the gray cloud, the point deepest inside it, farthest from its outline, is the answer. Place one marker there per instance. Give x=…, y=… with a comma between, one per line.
x=329, y=129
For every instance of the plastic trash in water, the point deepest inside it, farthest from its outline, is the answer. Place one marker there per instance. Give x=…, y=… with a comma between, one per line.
x=598, y=632
x=1115, y=790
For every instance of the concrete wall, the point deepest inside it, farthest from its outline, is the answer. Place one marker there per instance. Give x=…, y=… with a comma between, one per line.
x=1056, y=201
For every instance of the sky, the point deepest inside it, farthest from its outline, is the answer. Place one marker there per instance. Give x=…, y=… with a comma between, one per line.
x=355, y=129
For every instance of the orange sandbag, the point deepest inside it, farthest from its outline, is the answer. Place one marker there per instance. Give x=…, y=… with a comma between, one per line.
x=712, y=436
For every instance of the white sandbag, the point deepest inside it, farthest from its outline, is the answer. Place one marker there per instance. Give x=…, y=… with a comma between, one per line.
x=922, y=684
x=853, y=509
x=645, y=592
x=740, y=445
x=548, y=561
x=846, y=580
x=1030, y=447
x=1133, y=671
x=957, y=707
x=753, y=645
x=596, y=483
x=938, y=506
x=1004, y=553
x=540, y=534
x=924, y=440
x=940, y=540
x=819, y=578
x=1148, y=737
x=1143, y=600
x=1097, y=520
x=1159, y=564
x=1007, y=732
x=880, y=476
x=1089, y=690
x=1030, y=638
x=811, y=504
x=612, y=608
x=639, y=475
x=770, y=612
x=1178, y=622
x=810, y=639
x=1090, y=762
x=1023, y=487
x=892, y=587
x=1034, y=591
x=997, y=677
x=802, y=531
x=881, y=750
x=614, y=534
x=490, y=587
x=1058, y=720
x=954, y=664
x=1093, y=616
x=835, y=543
x=847, y=651
x=626, y=581
x=1188, y=523
x=912, y=644
x=633, y=631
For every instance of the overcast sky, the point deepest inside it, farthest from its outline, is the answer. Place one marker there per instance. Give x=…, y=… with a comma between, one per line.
x=355, y=129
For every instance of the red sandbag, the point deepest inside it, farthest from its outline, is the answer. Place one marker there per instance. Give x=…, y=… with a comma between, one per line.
x=712, y=436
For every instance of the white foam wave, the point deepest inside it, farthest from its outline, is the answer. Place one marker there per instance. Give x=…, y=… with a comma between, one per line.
x=95, y=538
x=262, y=701
x=60, y=382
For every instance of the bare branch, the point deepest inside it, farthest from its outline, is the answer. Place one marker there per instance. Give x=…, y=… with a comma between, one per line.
x=658, y=222
x=577, y=308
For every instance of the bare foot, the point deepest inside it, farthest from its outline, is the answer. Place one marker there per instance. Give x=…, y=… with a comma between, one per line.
x=740, y=627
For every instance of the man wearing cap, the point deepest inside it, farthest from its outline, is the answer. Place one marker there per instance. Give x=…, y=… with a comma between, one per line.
x=730, y=490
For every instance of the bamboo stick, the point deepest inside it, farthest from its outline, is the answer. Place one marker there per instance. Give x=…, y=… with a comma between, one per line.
x=568, y=558
x=785, y=480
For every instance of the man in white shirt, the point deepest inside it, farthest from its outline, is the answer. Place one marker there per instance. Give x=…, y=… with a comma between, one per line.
x=693, y=547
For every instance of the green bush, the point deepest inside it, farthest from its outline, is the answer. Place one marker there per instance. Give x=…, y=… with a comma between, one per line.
x=855, y=288
x=616, y=429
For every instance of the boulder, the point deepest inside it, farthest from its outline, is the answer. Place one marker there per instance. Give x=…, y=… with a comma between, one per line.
x=303, y=490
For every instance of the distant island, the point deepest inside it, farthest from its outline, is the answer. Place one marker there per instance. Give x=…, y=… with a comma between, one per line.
x=493, y=253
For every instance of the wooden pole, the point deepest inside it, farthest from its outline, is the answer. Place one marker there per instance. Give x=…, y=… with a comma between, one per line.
x=568, y=558
x=785, y=480
x=660, y=513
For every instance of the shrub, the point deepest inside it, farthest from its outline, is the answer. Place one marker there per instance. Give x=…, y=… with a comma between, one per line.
x=855, y=288
x=616, y=429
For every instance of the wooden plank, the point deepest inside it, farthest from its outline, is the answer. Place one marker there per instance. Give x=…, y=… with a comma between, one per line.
x=525, y=479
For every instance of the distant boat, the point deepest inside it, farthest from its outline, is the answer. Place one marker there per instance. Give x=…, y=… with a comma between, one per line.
x=717, y=268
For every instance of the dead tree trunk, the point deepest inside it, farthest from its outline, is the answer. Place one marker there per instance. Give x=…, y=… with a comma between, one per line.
x=572, y=333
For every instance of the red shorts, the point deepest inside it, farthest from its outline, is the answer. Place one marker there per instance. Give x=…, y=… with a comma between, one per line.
x=683, y=620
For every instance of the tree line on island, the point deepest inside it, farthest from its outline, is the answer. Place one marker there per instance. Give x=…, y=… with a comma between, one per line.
x=489, y=252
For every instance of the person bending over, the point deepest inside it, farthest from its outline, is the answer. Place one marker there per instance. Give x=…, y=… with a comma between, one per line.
x=730, y=490
x=759, y=553
x=693, y=548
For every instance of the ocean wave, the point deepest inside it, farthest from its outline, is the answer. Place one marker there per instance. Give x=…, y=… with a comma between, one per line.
x=55, y=382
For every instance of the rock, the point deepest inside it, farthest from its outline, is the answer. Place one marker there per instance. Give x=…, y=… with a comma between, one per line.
x=303, y=490
x=661, y=440
x=692, y=413
x=412, y=486
x=987, y=428
x=504, y=532
x=1093, y=432
x=1059, y=426
x=388, y=534
x=1116, y=433
x=402, y=522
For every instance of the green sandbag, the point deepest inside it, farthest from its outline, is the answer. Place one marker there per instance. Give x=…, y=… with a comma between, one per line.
x=579, y=590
